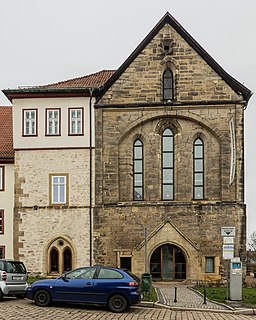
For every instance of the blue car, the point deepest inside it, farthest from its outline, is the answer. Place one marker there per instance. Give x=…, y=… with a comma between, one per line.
x=116, y=288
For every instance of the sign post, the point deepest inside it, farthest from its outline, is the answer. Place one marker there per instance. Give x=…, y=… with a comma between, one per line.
x=228, y=234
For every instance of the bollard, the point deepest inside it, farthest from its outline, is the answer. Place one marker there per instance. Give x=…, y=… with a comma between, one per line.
x=204, y=295
x=175, y=295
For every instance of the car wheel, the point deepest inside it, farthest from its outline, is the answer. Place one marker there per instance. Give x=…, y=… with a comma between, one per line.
x=1, y=295
x=42, y=298
x=117, y=303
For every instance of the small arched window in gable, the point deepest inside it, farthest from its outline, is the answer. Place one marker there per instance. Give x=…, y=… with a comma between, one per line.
x=167, y=85
x=138, y=170
x=198, y=169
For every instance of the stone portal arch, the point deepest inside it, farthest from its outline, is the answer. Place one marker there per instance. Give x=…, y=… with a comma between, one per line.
x=168, y=262
x=168, y=237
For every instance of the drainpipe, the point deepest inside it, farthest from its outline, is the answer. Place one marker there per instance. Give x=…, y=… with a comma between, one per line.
x=90, y=170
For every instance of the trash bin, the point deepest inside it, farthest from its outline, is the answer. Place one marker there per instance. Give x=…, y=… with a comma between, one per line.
x=146, y=282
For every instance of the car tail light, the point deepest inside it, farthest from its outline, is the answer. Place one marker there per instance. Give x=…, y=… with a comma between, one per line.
x=133, y=284
x=3, y=275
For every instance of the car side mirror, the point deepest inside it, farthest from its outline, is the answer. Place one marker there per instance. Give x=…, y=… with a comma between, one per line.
x=64, y=278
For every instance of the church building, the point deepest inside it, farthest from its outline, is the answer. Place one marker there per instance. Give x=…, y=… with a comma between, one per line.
x=169, y=159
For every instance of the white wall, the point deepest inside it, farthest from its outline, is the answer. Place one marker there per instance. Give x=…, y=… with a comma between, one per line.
x=7, y=204
x=42, y=141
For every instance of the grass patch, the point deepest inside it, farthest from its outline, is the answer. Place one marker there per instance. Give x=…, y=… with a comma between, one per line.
x=219, y=295
x=216, y=294
x=150, y=296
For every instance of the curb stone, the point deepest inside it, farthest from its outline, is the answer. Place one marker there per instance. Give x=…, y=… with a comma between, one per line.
x=163, y=306
x=230, y=310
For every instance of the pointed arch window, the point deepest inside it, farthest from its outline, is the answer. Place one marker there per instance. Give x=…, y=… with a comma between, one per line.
x=167, y=165
x=59, y=257
x=67, y=259
x=198, y=169
x=167, y=85
x=54, y=260
x=138, y=185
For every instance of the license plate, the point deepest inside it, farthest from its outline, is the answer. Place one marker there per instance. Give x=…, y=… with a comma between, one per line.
x=17, y=278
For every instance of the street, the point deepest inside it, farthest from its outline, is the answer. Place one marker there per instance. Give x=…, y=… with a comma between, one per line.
x=13, y=309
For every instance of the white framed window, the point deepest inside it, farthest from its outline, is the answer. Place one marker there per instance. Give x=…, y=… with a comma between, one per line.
x=198, y=155
x=76, y=121
x=167, y=165
x=1, y=178
x=29, y=122
x=138, y=170
x=58, y=188
x=52, y=122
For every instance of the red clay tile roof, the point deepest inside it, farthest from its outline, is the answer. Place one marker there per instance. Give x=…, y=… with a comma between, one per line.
x=6, y=136
x=80, y=85
x=94, y=80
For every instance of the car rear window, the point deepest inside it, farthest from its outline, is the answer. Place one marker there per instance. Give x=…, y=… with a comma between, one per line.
x=15, y=267
x=109, y=274
x=133, y=276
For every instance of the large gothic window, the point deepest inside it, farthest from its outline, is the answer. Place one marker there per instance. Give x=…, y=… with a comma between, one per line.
x=167, y=165
x=198, y=169
x=167, y=85
x=138, y=170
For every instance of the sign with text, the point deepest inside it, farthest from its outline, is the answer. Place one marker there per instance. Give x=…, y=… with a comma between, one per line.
x=228, y=251
x=228, y=240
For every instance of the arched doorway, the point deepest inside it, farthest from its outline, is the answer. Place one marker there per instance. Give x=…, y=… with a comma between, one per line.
x=168, y=263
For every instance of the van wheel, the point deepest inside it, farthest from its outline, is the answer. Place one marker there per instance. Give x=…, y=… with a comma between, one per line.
x=117, y=303
x=42, y=298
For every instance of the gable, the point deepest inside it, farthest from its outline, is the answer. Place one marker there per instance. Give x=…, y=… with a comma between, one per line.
x=197, y=77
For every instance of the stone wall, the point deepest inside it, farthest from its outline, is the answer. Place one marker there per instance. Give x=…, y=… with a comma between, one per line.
x=195, y=80
x=37, y=224
x=132, y=108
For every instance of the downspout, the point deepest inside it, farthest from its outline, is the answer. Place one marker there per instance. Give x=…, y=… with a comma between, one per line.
x=90, y=175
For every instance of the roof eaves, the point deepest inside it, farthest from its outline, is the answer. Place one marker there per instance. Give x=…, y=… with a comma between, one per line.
x=9, y=93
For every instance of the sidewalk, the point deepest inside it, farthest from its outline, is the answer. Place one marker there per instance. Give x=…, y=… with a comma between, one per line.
x=188, y=299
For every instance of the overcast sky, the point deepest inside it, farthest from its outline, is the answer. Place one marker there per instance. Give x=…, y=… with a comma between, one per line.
x=53, y=40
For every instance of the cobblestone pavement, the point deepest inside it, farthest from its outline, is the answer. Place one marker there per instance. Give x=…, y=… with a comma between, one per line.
x=185, y=297
x=12, y=309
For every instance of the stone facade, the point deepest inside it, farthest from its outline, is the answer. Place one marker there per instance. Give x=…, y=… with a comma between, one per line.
x=39, y=226
x=132, y=107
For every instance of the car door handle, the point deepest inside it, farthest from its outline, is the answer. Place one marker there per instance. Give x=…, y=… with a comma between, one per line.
x=89, y=283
